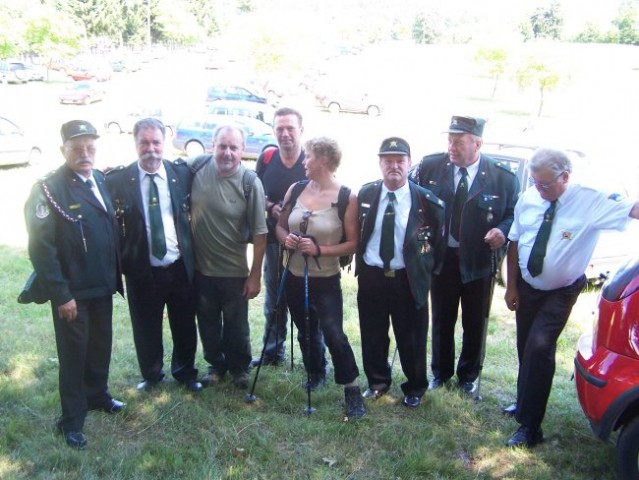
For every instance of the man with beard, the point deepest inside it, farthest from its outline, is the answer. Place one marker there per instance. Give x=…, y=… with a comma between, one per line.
x=152, y=203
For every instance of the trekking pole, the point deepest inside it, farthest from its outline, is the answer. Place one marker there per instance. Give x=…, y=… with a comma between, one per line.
x=250, y=397
x=489, y=301
x=307, y=323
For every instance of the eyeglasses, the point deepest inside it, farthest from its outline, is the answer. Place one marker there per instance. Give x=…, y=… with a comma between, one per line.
x=304, y=223
x=543, y=186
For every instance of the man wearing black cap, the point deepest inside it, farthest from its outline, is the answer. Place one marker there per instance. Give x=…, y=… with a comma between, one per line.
x=157, y=255
x=73, y=247
x=480, y=195
x=401, y=244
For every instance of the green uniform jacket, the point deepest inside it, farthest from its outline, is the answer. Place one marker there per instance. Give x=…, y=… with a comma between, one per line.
x=73, y=240
x=123, y=184
x=491, y=203
x=423, y=247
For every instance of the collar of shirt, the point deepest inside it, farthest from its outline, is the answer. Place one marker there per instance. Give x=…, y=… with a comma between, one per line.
x=161, y=172
x=401, y=194
x=472, y=173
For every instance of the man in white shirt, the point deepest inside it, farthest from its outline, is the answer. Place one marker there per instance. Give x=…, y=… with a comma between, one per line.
x=552, y=238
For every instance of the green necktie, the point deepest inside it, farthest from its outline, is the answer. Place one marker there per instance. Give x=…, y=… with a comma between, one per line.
x=387, y=244
x=158, y=241
x=538, y=252
x=461, y=194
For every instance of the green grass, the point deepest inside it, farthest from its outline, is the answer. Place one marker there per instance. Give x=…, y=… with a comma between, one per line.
x=174, y=434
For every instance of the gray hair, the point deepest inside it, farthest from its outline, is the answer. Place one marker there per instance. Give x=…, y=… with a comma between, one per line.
x=148, y=123
x=231, y=128
x=549, y=159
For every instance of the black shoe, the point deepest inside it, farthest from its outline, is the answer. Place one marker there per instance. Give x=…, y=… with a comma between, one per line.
x=436, y=383
x=468, y=388
x=411, y=401
x=193, y=386
x=375, y=393
x=315, y=381
x=74, y=439
x=525, y=437
x=354, y=403
x=112, y=406
x=510, y=410
x=268, y=361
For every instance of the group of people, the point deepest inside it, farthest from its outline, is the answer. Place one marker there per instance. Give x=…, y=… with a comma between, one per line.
x=179, y=233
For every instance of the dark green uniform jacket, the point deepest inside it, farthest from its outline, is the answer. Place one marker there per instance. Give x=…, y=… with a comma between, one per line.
x=423, y=246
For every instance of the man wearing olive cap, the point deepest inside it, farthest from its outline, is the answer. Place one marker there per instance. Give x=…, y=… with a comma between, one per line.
x=480, y=195
x=73, y=247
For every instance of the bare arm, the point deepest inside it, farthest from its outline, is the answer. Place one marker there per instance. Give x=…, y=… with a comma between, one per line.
x=252, y=285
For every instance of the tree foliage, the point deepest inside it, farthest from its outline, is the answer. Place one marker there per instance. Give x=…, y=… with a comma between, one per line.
x=495, y=62
x=534, y=73
x=545, y=22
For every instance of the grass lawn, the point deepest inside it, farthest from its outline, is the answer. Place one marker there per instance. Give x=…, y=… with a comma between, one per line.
x=174, y=434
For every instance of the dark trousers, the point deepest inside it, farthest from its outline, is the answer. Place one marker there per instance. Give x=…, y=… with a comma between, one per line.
x=325, y=315
x=170, y=287
x=541, y=317
x=276, y=320
x=447, y=292
x=84, y=353
x=222, y=318
x=378, y=299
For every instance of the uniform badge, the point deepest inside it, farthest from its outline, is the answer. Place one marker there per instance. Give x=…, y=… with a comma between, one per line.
x=42, y=210
x=566, y=235
x=615, y=197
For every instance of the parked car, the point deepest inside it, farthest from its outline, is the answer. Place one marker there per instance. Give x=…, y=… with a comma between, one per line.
x=124, y=122
x=614, y=248
x=338, y=99
x=607, y=369
x=89, y=68
x=242, y=108
x=15, y=146
x=231, y=92
x=13, y=72
x=82, y=93
x=125, y=64
x=194, y=136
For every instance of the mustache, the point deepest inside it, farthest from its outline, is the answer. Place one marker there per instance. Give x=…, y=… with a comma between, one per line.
x=150, y=156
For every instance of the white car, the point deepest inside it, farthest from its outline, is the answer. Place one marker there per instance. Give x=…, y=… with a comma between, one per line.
x=15, y=147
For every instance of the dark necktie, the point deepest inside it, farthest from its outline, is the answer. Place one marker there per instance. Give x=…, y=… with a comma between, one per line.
x=158, y=241
x=387, y=244
x=538, y=252
x=461, y=194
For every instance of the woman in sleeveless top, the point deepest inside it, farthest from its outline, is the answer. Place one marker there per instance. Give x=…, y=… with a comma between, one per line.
x=311, y=232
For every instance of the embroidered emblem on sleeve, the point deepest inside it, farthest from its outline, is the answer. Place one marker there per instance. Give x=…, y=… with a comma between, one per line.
x=42, y=210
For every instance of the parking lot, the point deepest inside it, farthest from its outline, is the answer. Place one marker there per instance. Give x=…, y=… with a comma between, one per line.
x=418, y=104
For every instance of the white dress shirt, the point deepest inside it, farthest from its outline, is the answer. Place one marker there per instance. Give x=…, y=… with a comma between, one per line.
x=402, y=209
x=172, y=250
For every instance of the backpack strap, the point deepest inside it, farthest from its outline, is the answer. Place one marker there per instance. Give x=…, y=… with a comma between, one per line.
x=199, y=162
x=342, y=201
x=264, y=160
x=248, y=179
x=295, y=192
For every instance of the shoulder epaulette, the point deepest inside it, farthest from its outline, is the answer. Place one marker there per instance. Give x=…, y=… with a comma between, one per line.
x=179, y=161
x=47, y=175
x=119, y=168
x=434, y=157
x=504, y=166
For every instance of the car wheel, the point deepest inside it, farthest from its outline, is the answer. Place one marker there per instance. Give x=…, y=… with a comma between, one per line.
x=113, y=127
x=35, y=155
x=193, y=149
x=628, y=451
x=334, y=107
x=373, y=110
x=169, y=130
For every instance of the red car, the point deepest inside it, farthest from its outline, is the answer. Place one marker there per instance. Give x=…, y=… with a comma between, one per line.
x=607, y=368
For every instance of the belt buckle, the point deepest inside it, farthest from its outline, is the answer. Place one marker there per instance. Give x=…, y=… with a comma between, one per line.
x=389, y=273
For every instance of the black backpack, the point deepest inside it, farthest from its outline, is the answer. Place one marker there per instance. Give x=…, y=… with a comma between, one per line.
x=342, y=203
